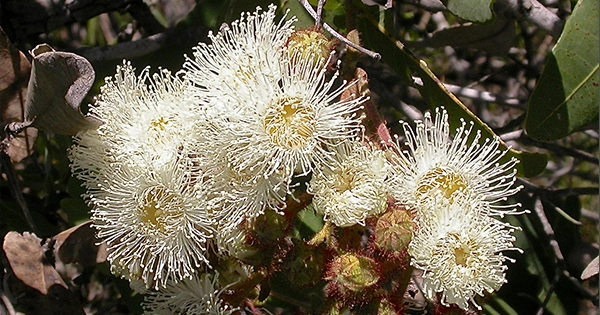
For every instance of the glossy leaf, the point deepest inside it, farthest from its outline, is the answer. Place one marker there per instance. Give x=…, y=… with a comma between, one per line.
x=435, y=94
x=565, y=98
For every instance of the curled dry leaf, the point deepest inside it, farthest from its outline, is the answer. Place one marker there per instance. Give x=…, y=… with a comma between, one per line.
x=375, y=122
x=25, y=254
x=14, y=74
x=80, y=245
x=58, y=84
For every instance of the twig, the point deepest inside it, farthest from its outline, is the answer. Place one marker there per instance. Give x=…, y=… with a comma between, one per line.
x=475, y=94
x=319, y=15
x=15, y=190
x=145, y=46
x=534, y=12
x=592, y=215
x=563, y=213
x=549, y=294
x=560, y=260
x=140, y=11
x=558, y=149
x=513, y=135
x=543, y=193
x=429, y=5
x=530, y=10
x=6, y=301
x=30, y=17
x=337, y=35
x=107, y=29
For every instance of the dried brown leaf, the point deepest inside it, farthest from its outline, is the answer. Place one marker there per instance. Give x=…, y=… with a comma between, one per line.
x=59, y=82
x=25, y=255
x=14, y=75
x=78, y=245
x=375, y=123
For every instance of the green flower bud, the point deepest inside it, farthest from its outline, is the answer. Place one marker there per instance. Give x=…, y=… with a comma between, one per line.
x=353, y=280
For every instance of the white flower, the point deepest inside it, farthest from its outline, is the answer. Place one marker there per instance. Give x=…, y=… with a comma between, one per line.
x=196, y=296
x=288, y=121
x=460, y=251
x=353, y=188
x=237, y=195
x=270, y=111
x=243, y=192
x=144, y=118
x=253, y=44
x=231, y=241
x=434, y=162
x=146, y=188
x=155, y=221
x=268, y=115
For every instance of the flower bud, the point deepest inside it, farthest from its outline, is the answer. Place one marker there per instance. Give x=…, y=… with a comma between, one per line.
x=353, y=279
x=393, y=231
x=309, y=44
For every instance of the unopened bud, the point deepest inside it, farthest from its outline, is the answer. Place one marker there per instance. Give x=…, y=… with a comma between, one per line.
x=393, y=231
x=309, y=44
x=353, y=279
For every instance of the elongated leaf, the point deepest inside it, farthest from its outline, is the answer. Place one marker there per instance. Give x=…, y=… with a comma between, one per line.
x=471, y=10
x=494, y=38
x=565, y=99
x=434, y=92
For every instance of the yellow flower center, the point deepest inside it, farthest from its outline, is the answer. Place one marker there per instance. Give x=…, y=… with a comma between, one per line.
x=159, y=124
x=461, y=254
x=445, y=181
x=156, y=205
x=345, y=181
x=289, y=123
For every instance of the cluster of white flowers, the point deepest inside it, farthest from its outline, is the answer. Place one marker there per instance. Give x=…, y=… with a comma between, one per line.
x=182, y=162
x=456, y=187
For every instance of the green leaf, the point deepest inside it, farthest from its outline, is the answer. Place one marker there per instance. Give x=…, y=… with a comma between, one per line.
x=471, y=10
x=565, y=98
x=309, y=223
x=497, y=306
x=305, y=21
x=434, y=92
x=495, y=38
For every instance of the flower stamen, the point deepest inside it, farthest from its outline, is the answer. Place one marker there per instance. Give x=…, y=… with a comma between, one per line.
x=289, y=123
